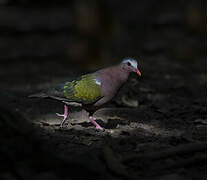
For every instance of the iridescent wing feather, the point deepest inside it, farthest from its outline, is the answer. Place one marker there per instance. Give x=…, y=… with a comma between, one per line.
x=86, y=89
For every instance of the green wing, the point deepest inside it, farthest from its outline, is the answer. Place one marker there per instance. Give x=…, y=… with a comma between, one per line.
x=85, y=89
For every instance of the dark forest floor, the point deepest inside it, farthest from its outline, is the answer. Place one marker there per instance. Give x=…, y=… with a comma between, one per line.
x=162, y=137
x=156, y=127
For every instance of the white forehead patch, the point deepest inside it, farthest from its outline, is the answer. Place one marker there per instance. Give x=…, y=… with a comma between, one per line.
x=133, y=62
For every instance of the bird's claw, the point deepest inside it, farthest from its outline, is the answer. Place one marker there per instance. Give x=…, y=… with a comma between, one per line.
x=62, y=115
x=65, y=115
x=61, y=126
x=64, y=119
x=99, y=128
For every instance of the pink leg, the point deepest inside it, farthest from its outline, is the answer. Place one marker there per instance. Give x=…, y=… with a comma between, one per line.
x=65, y=115
x=95, y=123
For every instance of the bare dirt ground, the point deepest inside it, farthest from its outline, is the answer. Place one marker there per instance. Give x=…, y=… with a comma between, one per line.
x=154, y=129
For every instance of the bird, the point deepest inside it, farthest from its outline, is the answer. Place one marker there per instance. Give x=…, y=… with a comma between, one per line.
x=92, y=90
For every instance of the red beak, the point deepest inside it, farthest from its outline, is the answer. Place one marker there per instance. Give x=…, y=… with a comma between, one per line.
x=138, y=72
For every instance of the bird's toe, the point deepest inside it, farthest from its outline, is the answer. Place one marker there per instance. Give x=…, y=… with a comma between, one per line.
x=100, y=128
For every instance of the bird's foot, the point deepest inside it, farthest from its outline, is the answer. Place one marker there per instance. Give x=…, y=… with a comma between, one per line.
x=98, y=127
x=64, y=119
x=65, y=115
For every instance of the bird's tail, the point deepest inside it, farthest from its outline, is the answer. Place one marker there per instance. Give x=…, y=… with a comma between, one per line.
x=38, y=95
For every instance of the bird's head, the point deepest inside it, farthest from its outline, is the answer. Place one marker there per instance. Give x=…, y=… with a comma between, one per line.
x=130, y=65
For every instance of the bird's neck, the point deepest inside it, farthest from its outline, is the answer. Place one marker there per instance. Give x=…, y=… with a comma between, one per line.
x=120, y=74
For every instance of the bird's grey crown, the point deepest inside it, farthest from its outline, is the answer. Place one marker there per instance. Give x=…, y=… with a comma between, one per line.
x=130, y=60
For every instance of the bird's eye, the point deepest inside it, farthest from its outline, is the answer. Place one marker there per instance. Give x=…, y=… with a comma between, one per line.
x=128, y=63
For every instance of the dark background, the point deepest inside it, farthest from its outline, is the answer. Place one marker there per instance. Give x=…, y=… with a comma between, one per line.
x=155, y=127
